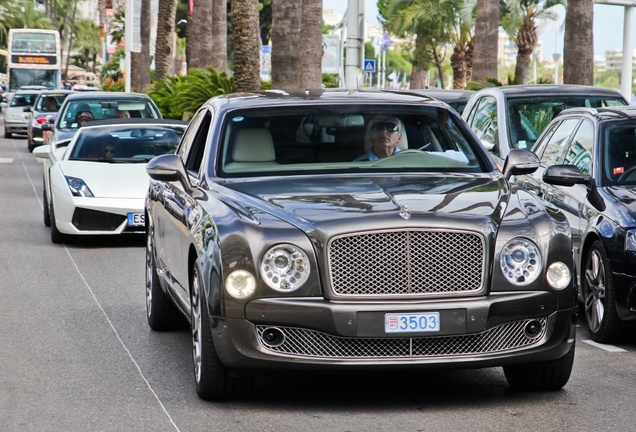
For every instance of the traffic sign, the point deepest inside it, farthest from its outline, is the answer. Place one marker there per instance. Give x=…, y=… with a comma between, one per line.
x=369, y=65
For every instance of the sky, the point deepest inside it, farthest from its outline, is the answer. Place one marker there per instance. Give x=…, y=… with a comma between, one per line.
x=608, y=26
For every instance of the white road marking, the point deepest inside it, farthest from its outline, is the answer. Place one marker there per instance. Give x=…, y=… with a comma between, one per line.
x=110, y=323
x=6, y=160
x=608, y=348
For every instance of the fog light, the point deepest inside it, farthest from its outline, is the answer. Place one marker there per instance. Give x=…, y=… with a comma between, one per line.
x=273, y=337
x=533, y=329
x=240, y=284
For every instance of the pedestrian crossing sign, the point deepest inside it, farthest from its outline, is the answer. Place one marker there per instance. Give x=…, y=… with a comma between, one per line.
x=369, y=65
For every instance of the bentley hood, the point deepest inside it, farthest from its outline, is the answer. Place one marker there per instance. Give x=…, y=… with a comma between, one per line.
x=404, y=200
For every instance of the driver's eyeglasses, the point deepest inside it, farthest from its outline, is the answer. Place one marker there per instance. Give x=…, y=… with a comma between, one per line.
x=387, y=126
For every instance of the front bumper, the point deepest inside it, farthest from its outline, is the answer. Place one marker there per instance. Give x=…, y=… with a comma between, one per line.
x=318, y=334
x=15, y=127
x=96, y=216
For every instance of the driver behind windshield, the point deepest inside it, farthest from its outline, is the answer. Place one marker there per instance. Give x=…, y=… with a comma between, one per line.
x=384, y=135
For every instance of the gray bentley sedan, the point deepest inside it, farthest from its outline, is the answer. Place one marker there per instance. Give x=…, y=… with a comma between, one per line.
x=341, y=230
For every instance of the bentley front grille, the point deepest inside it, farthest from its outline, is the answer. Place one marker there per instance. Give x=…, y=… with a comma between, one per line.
x=400, y=263
x=310, y=343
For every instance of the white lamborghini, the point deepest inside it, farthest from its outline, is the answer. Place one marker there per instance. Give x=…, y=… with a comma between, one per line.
x=96, y=182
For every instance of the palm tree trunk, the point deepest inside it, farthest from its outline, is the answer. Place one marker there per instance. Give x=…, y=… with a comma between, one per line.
x=286, y=43
x=486, y=40
x=218, y=55
x=526, y=40
x=438, y=63
x=246, y=41
x=311, y=41
x=165, y=38
x=200, y=42
x=578, y=46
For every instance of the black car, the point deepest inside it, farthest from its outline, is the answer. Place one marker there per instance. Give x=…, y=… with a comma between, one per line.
x=454, y=97
x=513, y=117
x=286, y=245
x=44, y=110
x=593, y=151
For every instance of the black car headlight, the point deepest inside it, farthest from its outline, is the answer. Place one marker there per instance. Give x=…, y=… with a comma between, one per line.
x=520, y=261
x=285, y=267
x=78, y=187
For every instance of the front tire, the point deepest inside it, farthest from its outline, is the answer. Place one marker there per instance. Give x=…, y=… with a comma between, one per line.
x=56, y=236
x=545, y=376
x=599, y=296
x=46, y=211
x=213, y=382
x=160, y=311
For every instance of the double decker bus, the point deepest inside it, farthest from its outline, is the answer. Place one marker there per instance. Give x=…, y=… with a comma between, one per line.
x=34, y=58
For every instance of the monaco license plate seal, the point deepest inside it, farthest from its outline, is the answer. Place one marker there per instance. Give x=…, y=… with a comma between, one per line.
x=420, y=322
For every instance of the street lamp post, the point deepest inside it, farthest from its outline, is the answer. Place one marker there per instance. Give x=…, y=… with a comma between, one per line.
x=556, y=57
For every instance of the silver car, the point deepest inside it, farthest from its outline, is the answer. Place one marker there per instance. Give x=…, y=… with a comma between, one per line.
x=17, y=112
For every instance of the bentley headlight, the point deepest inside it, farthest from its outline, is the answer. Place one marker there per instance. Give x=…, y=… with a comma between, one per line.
x=630, y=241
x=520, y=261
x=78, y=187
x=240, y=284
x=285, y=267
x=558, y=275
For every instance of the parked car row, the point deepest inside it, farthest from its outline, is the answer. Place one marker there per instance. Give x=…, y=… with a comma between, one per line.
x=338, y=230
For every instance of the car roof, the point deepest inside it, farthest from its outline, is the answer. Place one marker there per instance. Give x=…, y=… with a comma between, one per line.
x=552, y=89
x=445, y=94
x=626, y=112
x=321, y=97
x=92, y=95
x=134, y=121
x=60, y=91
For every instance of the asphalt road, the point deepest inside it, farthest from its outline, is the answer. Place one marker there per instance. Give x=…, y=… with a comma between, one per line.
x=76, y=354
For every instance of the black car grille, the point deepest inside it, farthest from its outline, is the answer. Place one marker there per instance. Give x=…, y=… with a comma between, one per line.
x=92, y=220
x=315, y=344
x=406, y=263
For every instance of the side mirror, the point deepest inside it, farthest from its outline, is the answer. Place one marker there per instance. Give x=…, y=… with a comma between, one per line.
x=520, y=162
x=28, y=109
x=46, y=126
x=168, y=167
x=565, y=175
x=42, y=152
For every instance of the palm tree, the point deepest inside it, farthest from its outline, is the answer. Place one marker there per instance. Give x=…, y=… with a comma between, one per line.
x=429, y=21
x=165, y=40
x=486, y=40
x=296, y=43
x=521, y=19
x=24, y=15
x=578, y=47
x=87, y=42
x=246, y=43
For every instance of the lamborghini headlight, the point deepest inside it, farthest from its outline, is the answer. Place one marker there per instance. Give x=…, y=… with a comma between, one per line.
x=520, y=261
x=78, y=187
x=285, y=267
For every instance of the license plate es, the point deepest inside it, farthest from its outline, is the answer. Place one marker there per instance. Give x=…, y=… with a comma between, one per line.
x=412, y=323
x=136, y=219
